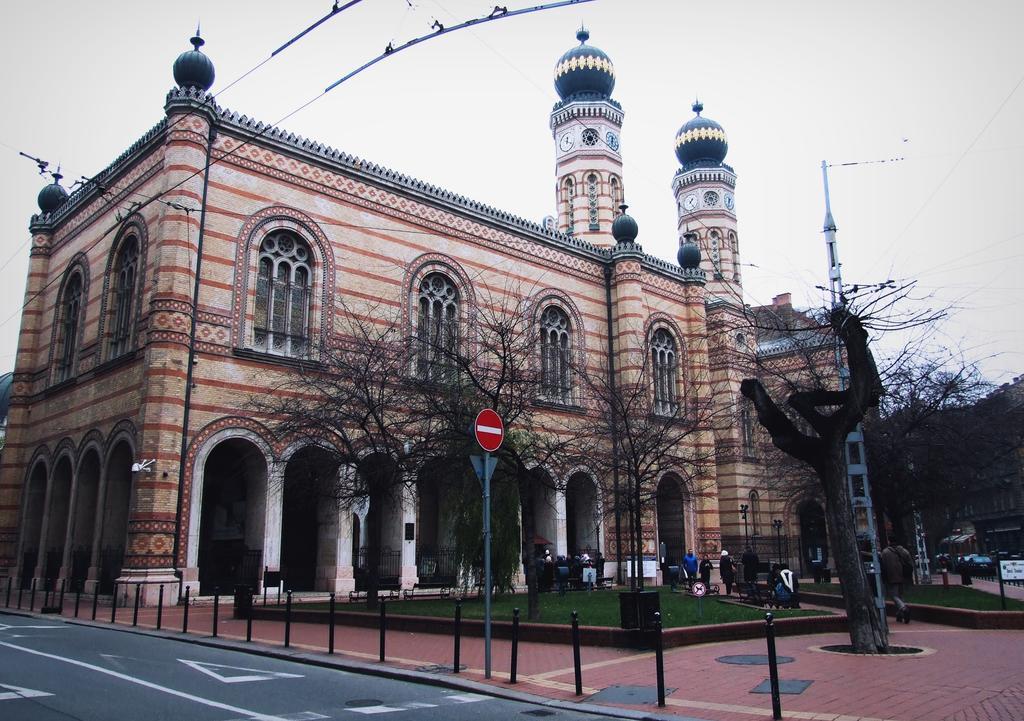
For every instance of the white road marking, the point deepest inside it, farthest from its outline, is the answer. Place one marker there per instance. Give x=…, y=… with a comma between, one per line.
x=412, y=705
x=8, y=626
x=376, y=709
x=148, y=684
x=19, y=692
x=298, y=716
x=465, y=697
x=255, y=675
x=419, y=704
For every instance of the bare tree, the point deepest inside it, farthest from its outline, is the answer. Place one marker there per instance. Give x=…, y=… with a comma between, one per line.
x=821, y=414
x=351, y=404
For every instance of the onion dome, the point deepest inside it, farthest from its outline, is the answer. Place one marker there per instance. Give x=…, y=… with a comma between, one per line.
x=701, y=140
x=624, y=228
x=689, y=254
x=52, y=196
x=192, y=69
x=584, y=71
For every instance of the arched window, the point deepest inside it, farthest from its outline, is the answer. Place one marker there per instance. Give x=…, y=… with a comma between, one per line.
x=755, y=513
x=437, y=327
x=592, y=200
x=664, y=367
x=715, y=244
x=734, y=244
x=555, y=350
x=616, y=192
x=70, y=311
x=122, y=297
x=281, y=318
x=570, y=201
x=747, y=429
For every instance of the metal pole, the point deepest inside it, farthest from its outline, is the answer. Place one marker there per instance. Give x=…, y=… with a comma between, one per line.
x=458, y=635
x=113, y=604
x=487, y=565
x=135, y=611
x=248, y=626
x=10, y=580
x=32, y=596
x=773, y=666
x=659, y=658
x=383, y=629
x=576, y=653
x=78, y=600
x=20, y=589
x=95, y=599
x=1002, y=591
x=330, y=623
x=515, y=645
x=63, y=581
x=184, y=618
x=160, y=609
x=288, y=620
x=216, y=608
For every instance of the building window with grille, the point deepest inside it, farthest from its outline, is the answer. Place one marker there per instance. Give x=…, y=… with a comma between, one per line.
x=68, y=327
x=616, y=192
x=437, y=327
x=665, y=371
x=123, y=297
x=592, y=200
x=283, y=280
x=570, y=210
x=747, y=429
x=555, y=355
x=755, y=513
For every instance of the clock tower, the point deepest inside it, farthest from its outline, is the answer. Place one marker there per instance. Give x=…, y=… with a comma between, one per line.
x=585, y=125
x=704, y=189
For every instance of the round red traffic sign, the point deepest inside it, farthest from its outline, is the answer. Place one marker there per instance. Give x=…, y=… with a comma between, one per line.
x=699, y=589
x=489, y=430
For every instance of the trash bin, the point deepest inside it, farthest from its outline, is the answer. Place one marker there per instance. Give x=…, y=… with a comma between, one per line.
x=563, y=579
x=637, y=609
x=673, y=576
x=243, y=602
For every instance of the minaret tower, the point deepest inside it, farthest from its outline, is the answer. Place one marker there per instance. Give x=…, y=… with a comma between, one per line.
x=585, y=125
x=704, y=188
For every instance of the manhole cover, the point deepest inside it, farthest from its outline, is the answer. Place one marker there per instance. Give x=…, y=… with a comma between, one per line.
x=538, y=712
x=362, y=702
x=439, y=668
x=792, y=686
x=629, y=694
x=752, y=660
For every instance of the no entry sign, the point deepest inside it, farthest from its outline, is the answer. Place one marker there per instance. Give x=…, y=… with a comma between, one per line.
x=489, y=430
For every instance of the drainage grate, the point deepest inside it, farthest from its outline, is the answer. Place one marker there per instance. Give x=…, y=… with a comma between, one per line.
x=361, y=702
x=752, y=660
x=792, y=686
x=439, y=668
x=538, y=712
x=629, y=694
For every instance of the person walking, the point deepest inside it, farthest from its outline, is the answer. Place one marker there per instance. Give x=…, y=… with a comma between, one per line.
x=750, y=563
x=892, y=560
x=690, y=565
x=705, y=571
x=728, y=571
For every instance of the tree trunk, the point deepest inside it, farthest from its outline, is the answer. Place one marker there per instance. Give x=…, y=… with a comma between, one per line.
x=867, y=633
x=529, y=562
x=375, y=532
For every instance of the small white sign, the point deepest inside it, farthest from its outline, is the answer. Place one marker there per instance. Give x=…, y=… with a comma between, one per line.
x=589, y=575
x=699, y=589
x=1013, y=570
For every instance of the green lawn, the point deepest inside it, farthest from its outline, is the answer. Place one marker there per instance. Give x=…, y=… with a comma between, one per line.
x=600, y=608
x=955, y=596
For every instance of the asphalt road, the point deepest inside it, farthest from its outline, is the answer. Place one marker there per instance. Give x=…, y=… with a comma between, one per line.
x=54, y=671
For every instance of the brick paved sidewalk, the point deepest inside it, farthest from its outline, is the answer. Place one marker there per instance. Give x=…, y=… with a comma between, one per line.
x=964, y=675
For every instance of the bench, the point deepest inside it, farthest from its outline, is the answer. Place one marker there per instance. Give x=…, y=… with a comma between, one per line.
x=751, y=593
x=419, y=590
x=381, y=593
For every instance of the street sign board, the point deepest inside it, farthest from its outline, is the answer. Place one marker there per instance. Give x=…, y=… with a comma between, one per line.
x=699, y=589
x=489, y=430
x=1013, y=570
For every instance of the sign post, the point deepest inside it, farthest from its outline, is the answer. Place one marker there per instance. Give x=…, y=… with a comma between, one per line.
x=1008, y=571
x=489, y=431
x=699, y=589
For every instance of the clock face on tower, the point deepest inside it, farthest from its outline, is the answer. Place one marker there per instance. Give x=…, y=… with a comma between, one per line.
x=566, y=142
x=613, y=141
x=729, y=202
x=690, y=202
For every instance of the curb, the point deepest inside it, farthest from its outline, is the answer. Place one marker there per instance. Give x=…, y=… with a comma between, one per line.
x=322, y=660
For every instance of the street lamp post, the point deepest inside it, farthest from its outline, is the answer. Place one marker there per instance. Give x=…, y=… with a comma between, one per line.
x=743, y=510
x=778, y=536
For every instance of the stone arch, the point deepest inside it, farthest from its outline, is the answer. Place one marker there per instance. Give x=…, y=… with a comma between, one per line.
x=256, y=227
x=307, y=474
x=584, y=527
x=57, y=516
x=85, y=517
x=673, y=506
x=133, y=226
x=33, y=507
x=114, y=509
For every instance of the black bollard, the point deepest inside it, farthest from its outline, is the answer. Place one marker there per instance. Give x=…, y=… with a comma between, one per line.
x=216, y=608
x=61, y=604
x=32, y=596
x=135, y=611
x=113, y=604
x=184, y=617
x=515, y=645
x=95, y=599
x=10, y=580
x=279, y=594
x=773, y=666
x=576, y=653
x=46, y=593
x=659, y=658
x=78, y=600
x=383, y=628
x=330, y=626
x=288, y=621
x=264, y=594
x=160, y=608
x=458, y=634
x=20, y=589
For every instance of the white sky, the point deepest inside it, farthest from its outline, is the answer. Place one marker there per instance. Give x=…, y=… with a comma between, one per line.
x=791, y=83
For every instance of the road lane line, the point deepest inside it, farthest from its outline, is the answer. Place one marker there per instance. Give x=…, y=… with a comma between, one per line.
x=148, y=684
